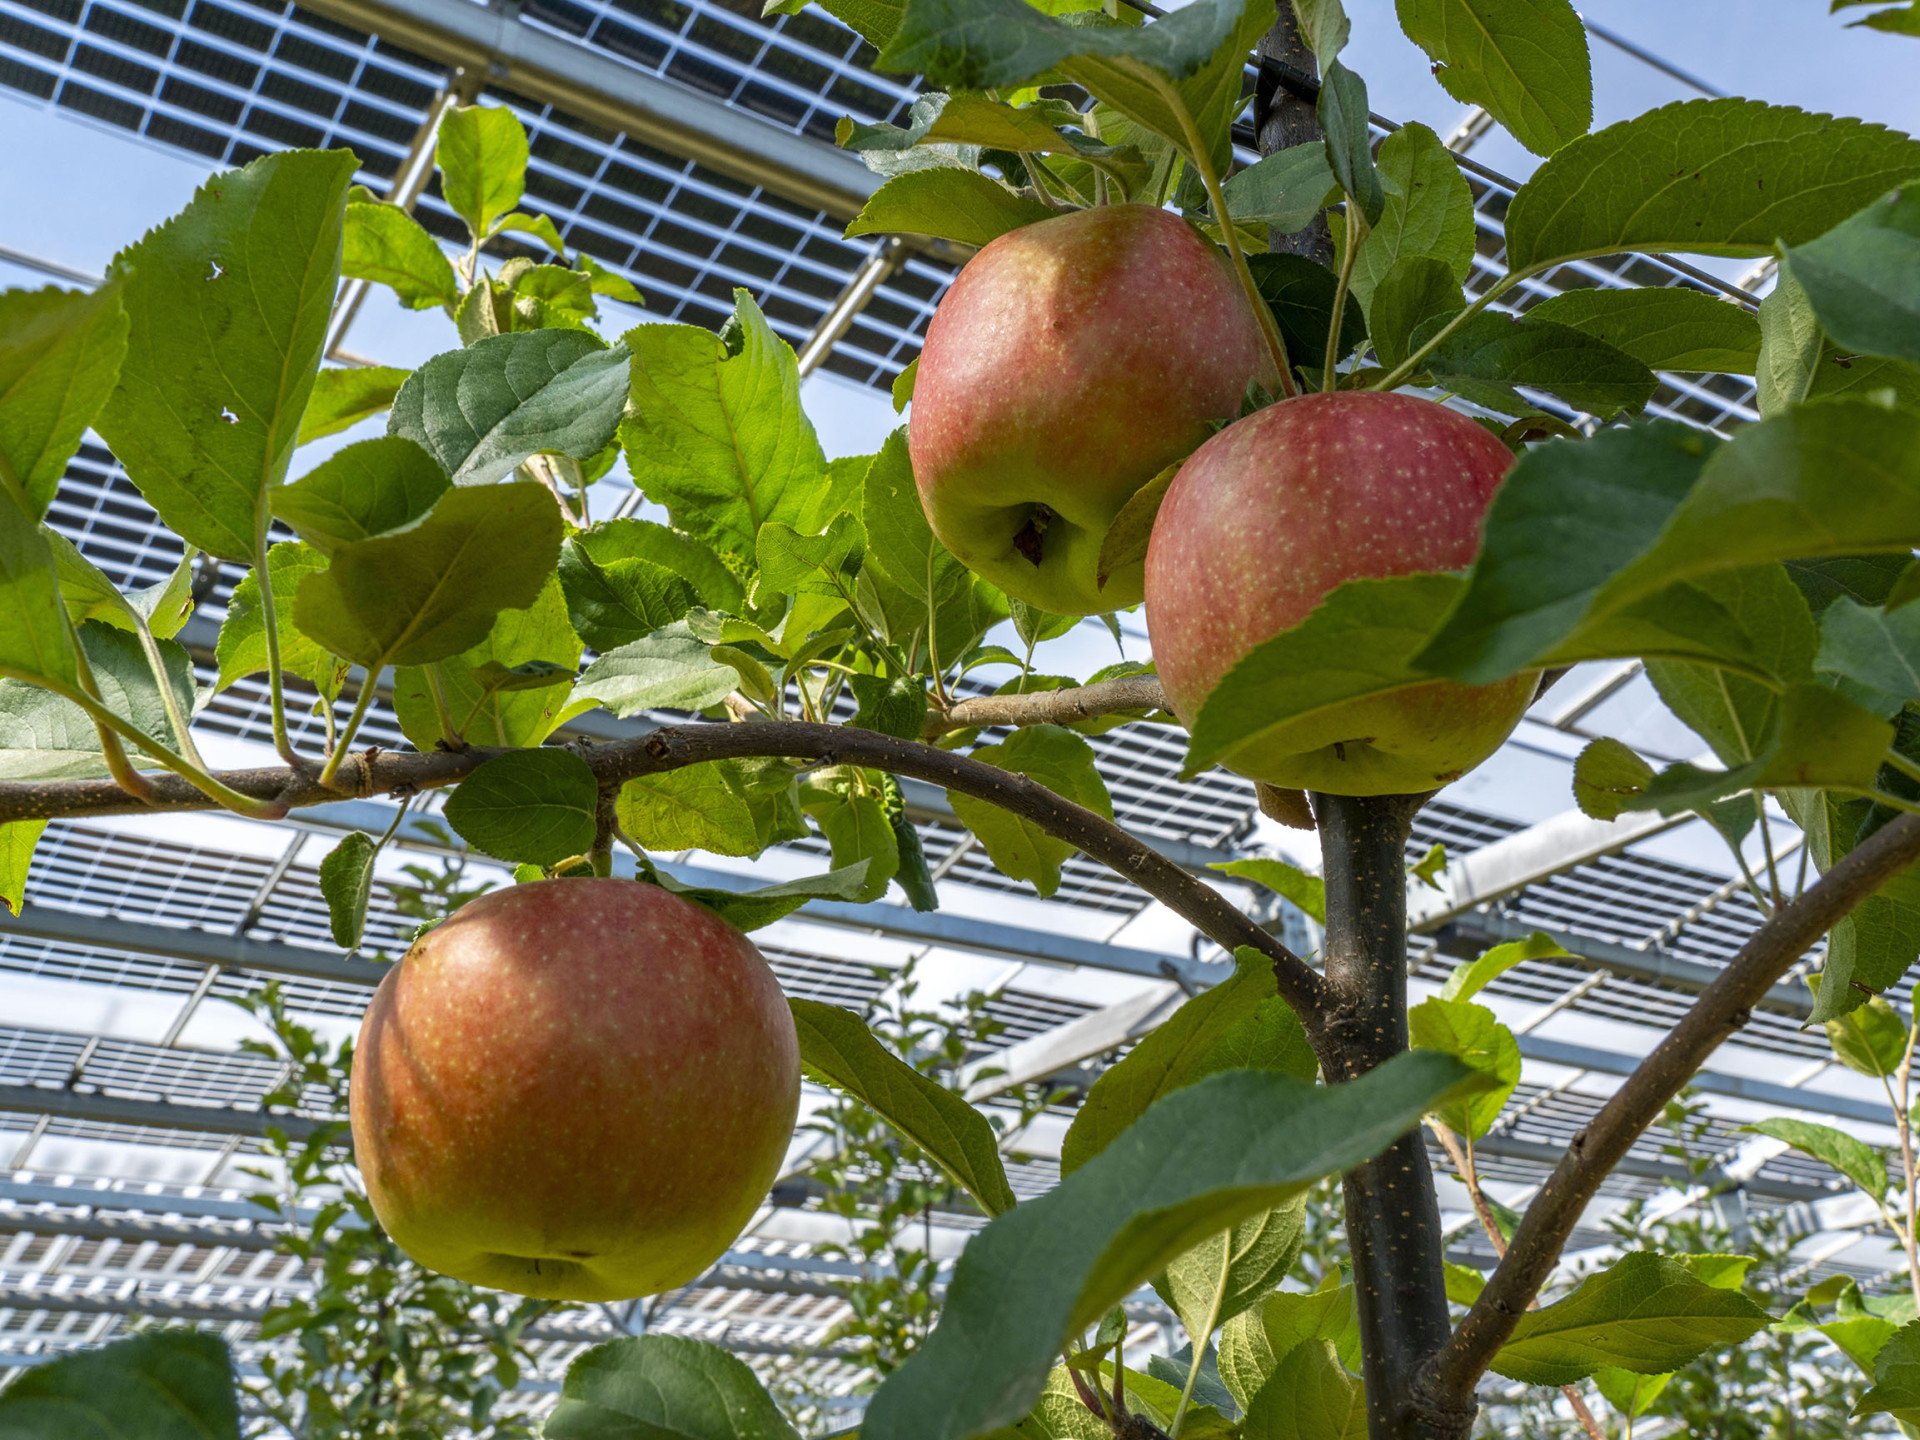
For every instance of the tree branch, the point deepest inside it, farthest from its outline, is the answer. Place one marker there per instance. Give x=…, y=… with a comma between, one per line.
x=1723, y=1007
x=374, y=772
x=1068, y=706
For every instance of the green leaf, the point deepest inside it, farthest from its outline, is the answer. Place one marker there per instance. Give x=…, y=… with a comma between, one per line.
x=434, y=590
x=1282, y=191
x=533, y=807
x=623, y=600
x=242, y=647
x=1873, y=655
x=857, y=828
x=1415, y=293
x=1241, y=1023
x=663, y=1387
x=1896, y=1378
x=1712, y=177
x=1628, y=1393
x=346, y=884
x=1225, y=1274
x=482, y=154
x=510, y=689
x=1002, y=44
x=1877, y=943
x=1819, y=740
x=1646, y=1314
x=345, y=396
x=1253, y=1344
x=1125, y=542
x=385, y=244
x=362, y=491
x=162, y=607
x=1056, y=758
x=701, y=807
x=1663, y=327
x=173, y=1384
x=1344, y=117
x=630, y=539
x=896, y=707
x=483, y=409
x=17, y=840
x=1429, y=211
x=837, y=1047
x=1489, y=355
x=753, y=909
x=902, y=549
x=542, y=228
x=1360, y=641
x=1464, y=1283
x=1581, y=533
x=825, y=564
x=1863, y=278
x=228, y=303
x=1324, y=26
x=60, y=354
x=1470, y=1033
x=1307, y=892
x=1204, y=1158
x=609, y=283
x=1472, y=976
x=1871, y=1040
x=1525, y=61
x=1852, y=1157
x=721, y=440
x=949, y=204
x=670, y=669
x=1309, y=1396
x=903, y=385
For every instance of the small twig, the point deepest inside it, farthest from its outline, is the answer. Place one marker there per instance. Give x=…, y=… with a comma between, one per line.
x=1049, y=707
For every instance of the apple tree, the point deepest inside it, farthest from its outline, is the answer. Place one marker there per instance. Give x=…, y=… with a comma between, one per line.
x=1222, y=391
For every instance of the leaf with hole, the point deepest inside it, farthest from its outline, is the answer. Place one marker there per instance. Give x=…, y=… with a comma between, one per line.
x=228, y=305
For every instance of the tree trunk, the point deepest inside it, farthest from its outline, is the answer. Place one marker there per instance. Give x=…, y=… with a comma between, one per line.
x=1393, y=1216
x=1282, y=119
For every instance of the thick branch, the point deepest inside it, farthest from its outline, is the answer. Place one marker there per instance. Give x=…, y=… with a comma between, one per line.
x=1051, y=707
x=1723, y=1007
x=376, y=772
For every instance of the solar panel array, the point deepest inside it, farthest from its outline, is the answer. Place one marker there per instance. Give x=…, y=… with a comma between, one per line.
x=107, y=1215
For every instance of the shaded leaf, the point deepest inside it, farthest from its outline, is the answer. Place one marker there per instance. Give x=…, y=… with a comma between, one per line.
x=533, y=807
x=749, y=908
x=173, y=1384
x=663, y=1387
x=1300, y=293
x=362, y=491
x=1667, y=327
x=1489, y=355
x=347, y=395
x=836, y=1046
x=1863, y=278
x=1056, y=758
x=1125, y=542
x=1429, y=211
x=1852, y=1157
x=1202, y=1159
x=1282, y=191
x=346, y=884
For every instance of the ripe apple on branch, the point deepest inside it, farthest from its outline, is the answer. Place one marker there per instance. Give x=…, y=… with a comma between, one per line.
x=583, y=1085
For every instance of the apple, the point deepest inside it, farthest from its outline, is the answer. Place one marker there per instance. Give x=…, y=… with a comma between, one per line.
x=1070, y=362
x=1281, y=507
x=575, y=1090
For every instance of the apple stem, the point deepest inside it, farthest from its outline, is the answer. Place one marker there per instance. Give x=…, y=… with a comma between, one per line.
x=1197, y=156
x=1356, y=234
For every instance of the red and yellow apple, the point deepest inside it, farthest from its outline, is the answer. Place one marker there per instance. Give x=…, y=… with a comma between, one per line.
x=1072, y=361
x=1278, y=509
x=574, y=1089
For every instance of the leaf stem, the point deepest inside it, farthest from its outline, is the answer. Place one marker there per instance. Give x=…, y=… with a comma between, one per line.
x=156, y=662
x=118, y=765
x=1909, y=768
x=332, y=766
x=276, y=683
x=448, y=732
x=1203, y=162
x=1398, y=375
x=1199, y=1342
x=1356, y=235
